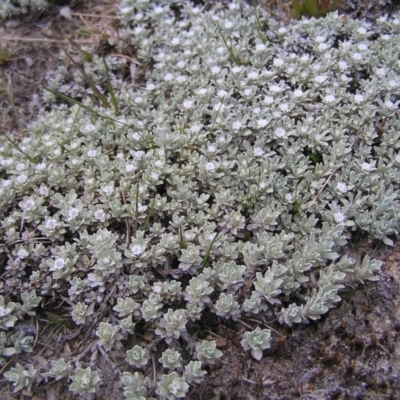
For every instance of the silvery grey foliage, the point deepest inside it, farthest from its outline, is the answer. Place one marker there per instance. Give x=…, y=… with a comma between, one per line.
x=222, y=187
x=108, y=336
x=172, y=324
x=22, y=378
x=137, y=356
x=170, y=359
x=10, y=8
x=134, y=386
x=60, y=369
x=207, y=352
x=85, y=382
x=257, y=341
x=172, y=386
x=194, y=373
x=7, y=320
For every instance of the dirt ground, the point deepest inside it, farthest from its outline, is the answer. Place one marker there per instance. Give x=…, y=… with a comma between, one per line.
x=352, y=353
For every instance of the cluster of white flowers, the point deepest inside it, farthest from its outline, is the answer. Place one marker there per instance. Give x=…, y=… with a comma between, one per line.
x=243, y=156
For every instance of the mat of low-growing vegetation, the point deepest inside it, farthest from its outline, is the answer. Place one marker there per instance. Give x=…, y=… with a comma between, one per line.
x=201, y=211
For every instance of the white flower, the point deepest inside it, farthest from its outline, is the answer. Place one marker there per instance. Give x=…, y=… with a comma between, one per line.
x=72, y=213
x=315, y=184
x=389, y=104
x=91, y=153
x=260, y=47
x=361, y=30
x=211, y=148
x=215, y=69
x=329, y=98
x=88, y=128
x=168, y=77
x=138, y=99
x=181, y=79
x=188, y=104
x=236, y=69
x=22, y=253
x=175, y=41
x=339, y=217
x=99, y=215
x=359, y=98
x=341, y=187
x=195, y=128
x=367, y=167
x=43, y=190
x=258, y=151
x=129, y=167
x=298, y=93
x=280, y=133
x=107, y=189
x=201, y=91
x=22, y=178
x=289, y=197
x=222, y=93
x=20, y=166
x=381, y=72
x=236, y=125
x=248, y=92
x=154, y=175
x=320, y=78
x=275, y=89
x=136, y=250
x=362, y=47
x=284, y=107
x=252, y=75
x=262, y=123
x=357, y=56
x=51, y=224
x=210, y=166
x=58, y=264
x=323, y=46
x=28, y=205
x=278, y=62
x=228, y=24
x=219, y=107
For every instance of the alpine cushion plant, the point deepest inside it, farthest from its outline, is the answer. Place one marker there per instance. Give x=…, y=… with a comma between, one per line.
x=214, y=187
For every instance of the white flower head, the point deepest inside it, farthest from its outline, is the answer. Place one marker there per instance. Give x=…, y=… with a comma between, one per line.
x=289, y=197
x=258, y=151
x=329, y=98
x=298, y=93
x=51, y=224
x=22, y=253
x=73, y=213
x=236, y=125
x=359, y=98
x=210, y=166
x=107, y=189
x=100, y=215
x=339, y=217
x=341, y=187
x=91, y=153
x=129, y=168
x=58, y=264
x=262, y=123
x=367, y=167
x=268, y=100
x=280, y=133
x=21, y=178
x=28, y=205
x=195, y=128
x=136, y=249
x=188, y=104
